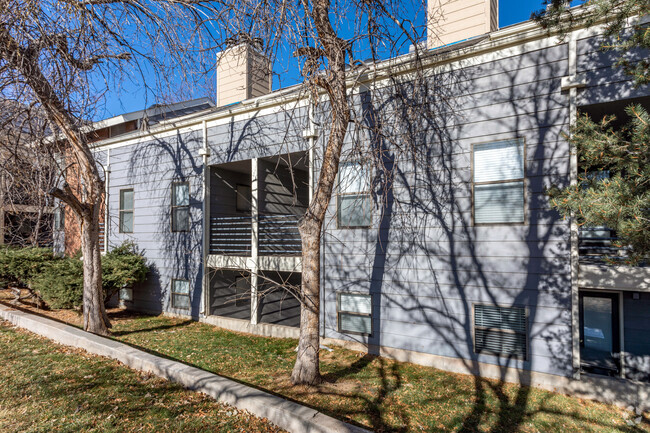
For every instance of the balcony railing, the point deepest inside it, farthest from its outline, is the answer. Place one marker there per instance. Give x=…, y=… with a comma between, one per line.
x=231, y=235
x=598, y=243
x=278, y=235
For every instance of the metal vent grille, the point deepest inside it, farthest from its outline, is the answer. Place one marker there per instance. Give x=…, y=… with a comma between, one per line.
x=500, y=330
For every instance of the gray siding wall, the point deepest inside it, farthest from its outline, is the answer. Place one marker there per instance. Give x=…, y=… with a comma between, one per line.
x=636, y=327
x=605, y=82
x=149, y=168
x=277, y=305
x=423, y=261
x=227, y=298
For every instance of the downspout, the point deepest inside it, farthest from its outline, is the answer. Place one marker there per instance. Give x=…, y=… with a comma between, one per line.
x=571, y=83
x=205, y=154
x=107, y=188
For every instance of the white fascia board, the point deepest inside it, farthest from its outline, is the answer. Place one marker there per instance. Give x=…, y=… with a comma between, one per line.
x=511, y=41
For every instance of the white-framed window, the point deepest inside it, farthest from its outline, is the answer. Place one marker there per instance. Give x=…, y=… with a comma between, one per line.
x=354, y=311
x=126, y=210
x=354, y=202
x=180, y=206
x=501, y=331
x=181, y=294
x=498, y=182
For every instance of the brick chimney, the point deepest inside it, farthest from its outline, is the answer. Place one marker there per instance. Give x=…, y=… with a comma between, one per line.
x=452, y=21
x=243, y=72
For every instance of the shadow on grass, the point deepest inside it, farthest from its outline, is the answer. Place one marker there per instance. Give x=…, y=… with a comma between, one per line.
x=152, y=328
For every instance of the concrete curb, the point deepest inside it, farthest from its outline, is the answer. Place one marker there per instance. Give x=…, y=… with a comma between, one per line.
x=283, y=413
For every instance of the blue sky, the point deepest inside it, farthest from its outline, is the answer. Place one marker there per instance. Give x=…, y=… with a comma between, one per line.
x=132, y=96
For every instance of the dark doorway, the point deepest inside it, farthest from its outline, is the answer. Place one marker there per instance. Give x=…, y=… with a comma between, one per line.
x=600, y=344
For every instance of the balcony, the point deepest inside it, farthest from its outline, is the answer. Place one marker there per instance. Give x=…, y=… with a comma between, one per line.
x=232, y=235
x=603, y=263
x=255, y=207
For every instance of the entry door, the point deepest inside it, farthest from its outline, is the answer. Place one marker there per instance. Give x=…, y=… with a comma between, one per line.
x=600, y=345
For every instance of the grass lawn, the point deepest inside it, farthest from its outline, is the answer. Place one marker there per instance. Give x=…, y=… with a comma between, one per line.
x=46, y=387
x=375, y=392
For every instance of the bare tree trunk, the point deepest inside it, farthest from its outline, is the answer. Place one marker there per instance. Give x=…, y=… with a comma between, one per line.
x=95, y=317
x=306, y=370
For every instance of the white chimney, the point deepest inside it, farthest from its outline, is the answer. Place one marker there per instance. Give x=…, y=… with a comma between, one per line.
x=452, y=21
x=243, y=72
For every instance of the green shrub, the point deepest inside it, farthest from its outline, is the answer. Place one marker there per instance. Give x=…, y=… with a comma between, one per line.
x=60, y=284
x=123, y=266
x=59, y=280
x=18, y=266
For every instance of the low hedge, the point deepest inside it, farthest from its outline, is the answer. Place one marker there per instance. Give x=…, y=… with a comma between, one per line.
x=58, y=281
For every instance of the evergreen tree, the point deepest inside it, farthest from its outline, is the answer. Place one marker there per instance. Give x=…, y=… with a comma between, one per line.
x=613, y=188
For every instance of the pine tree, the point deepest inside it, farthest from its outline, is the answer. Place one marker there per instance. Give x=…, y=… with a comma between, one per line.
x=613, y=188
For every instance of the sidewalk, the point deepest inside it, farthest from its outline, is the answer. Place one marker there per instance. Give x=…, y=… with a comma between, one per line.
x=283, y=413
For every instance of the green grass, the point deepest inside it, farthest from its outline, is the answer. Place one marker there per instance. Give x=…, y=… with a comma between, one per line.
x=45, y=387
x=379, y=393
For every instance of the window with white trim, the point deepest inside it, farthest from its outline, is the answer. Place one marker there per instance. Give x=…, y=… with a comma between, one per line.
x=354, y=313
x=354, y=204
x=181, y=294
x=501, y=331
x=180, y=206
x=498, y=182
x=126, y=211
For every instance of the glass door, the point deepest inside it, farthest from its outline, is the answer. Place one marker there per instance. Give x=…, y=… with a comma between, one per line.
x=599, y=333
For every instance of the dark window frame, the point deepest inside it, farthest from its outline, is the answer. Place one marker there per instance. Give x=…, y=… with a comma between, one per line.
x=360, y=195
x=173, y=294
x=525, y=333
x=523, y=181
x=174, y=207
x=123, y=211
x=352, y=313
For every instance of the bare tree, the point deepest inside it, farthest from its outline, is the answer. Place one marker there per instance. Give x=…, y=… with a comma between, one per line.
x=26, y=174
x=64, y=56
x=338, y=45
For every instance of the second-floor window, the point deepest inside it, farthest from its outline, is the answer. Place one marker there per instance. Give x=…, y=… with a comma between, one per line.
x=354, y=204
x=126, y=210
x=498, y=182
x=180, y=207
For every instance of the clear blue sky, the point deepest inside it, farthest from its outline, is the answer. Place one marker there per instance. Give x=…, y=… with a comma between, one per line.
x=132, y=97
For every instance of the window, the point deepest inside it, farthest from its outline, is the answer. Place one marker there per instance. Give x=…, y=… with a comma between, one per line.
x=500, y=330
x=126, y=211
x=354, y=201
x=354, y=313
x=498, y=182
x=243, y=200
x=181, y=294
x=59, y=218
x=180, y=207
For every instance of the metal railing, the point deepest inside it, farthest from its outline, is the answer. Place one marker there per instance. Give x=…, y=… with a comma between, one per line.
x=278, y=235
x=598, y=243
x=230, y=235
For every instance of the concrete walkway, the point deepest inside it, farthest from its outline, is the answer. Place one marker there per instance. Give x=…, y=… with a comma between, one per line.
x=283, y=413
